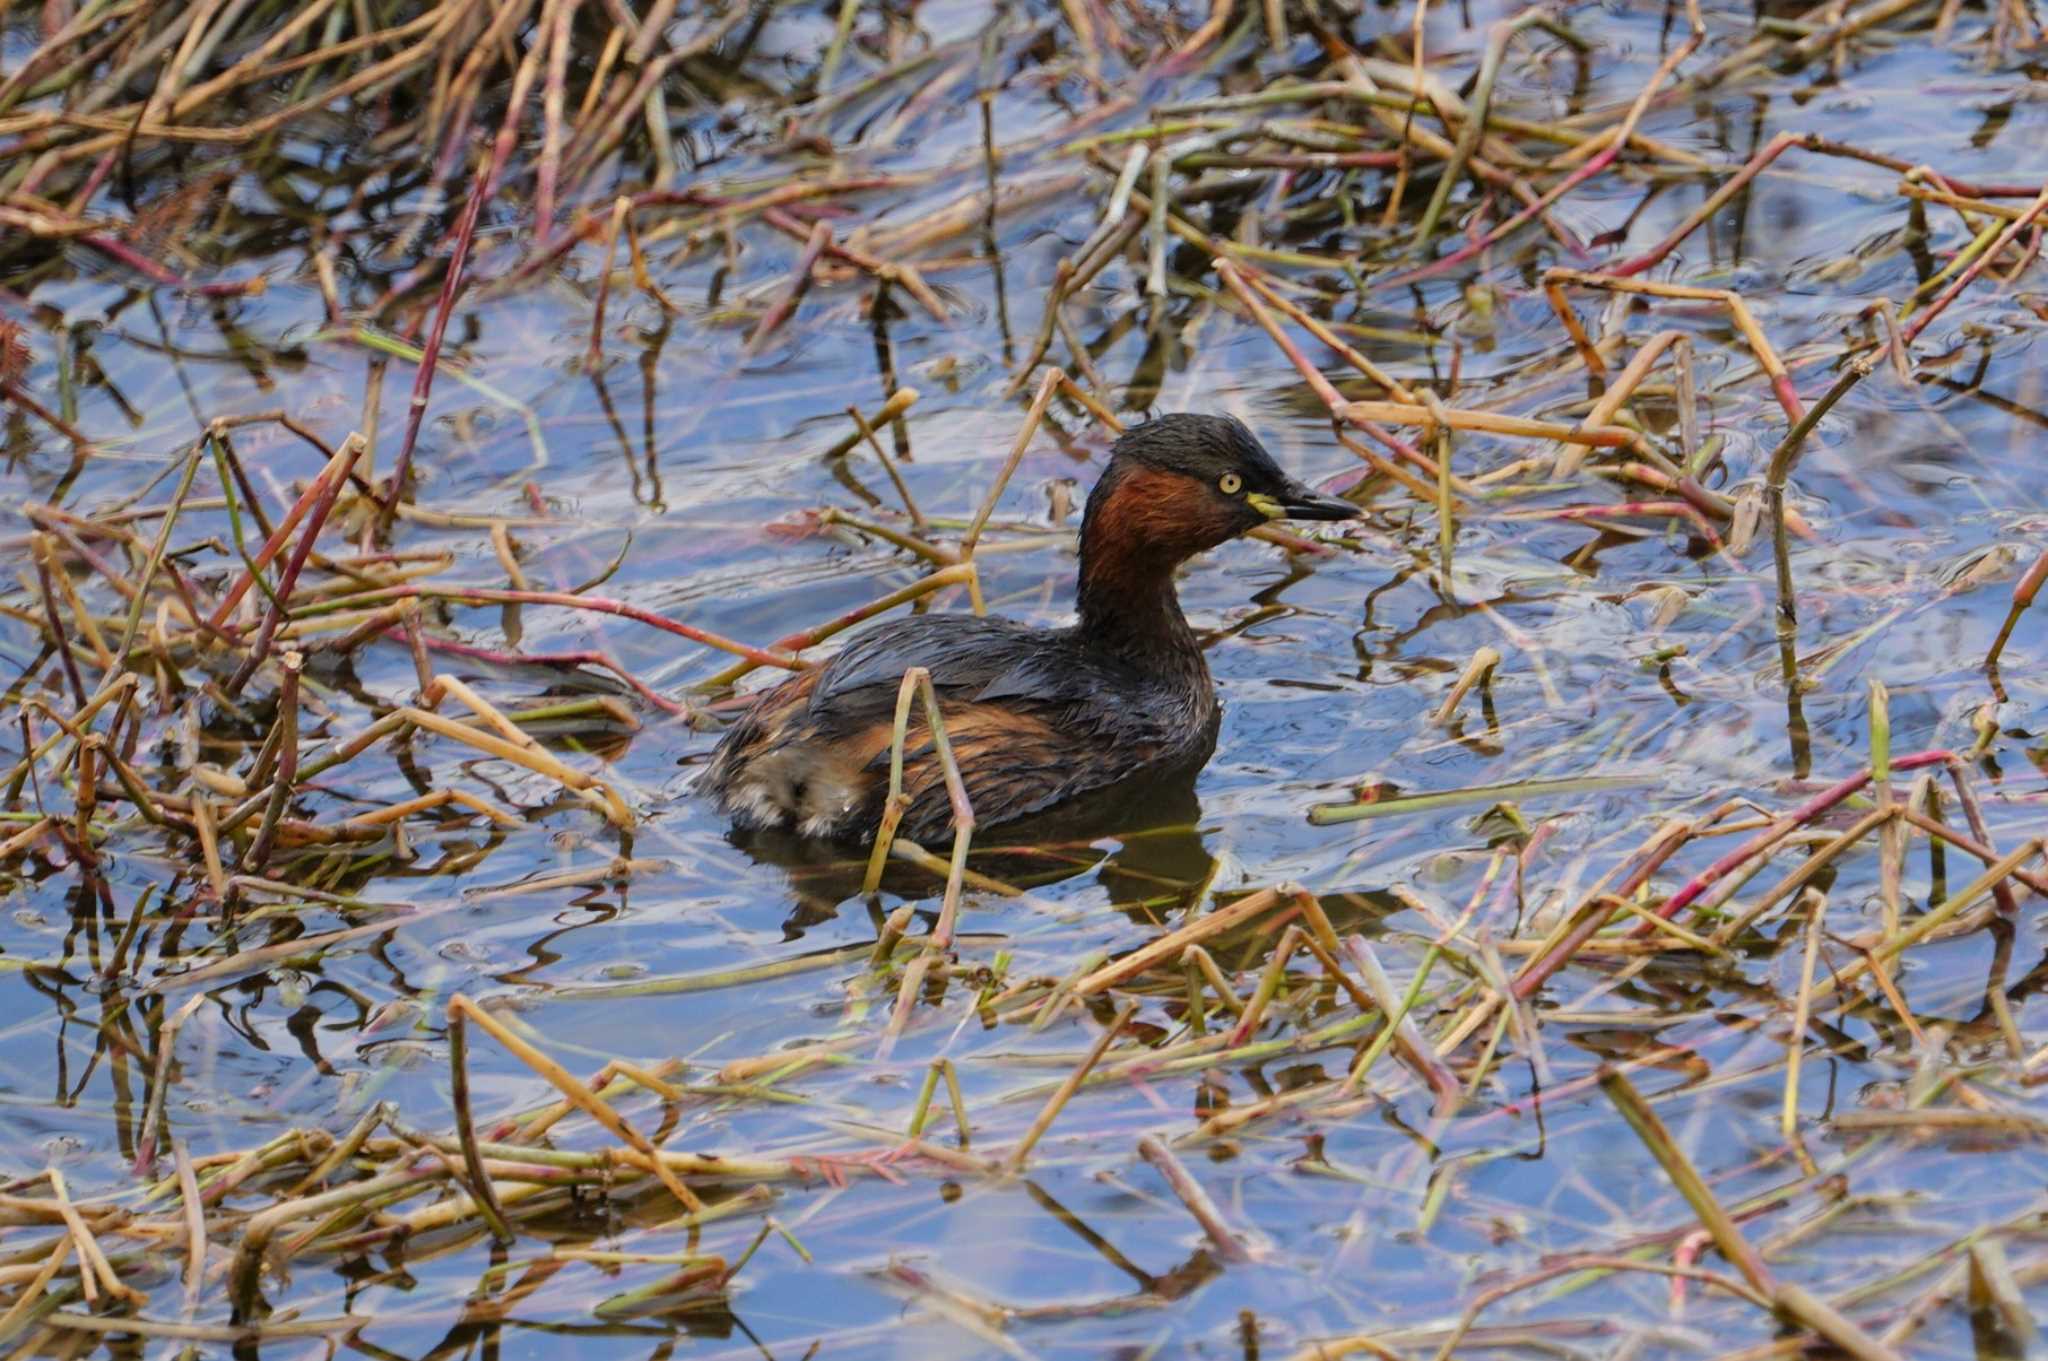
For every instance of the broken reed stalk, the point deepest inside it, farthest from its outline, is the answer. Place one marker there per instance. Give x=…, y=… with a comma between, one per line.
x=867, y=434
x=287, y=769
x=580, y=1096
x=32, y=1292
x=2024, y=592
x=316, y=518
x=1815, y=903
x=477, y=595
x=594, y=353
x=1057, y=1102
x=1048, y=384
x=1229, y=1244
x=1268, y=986
x=335, y=470
x=918, y=680
x=592, y=790
x=1398, y=1028
x=1643, y=1119
x=2012, y=232
x=1557, y=277
x=1780, y=468
x=922, y=1108
x=799, y=284
x=888, y=413
x=1446, y=527
x=132, y=627
x=1497, y=39
x=1795, y=1303
x=1169, y=946
x=957, y=574
x=941, y=938
x=41, y=554
x=152, y=1130
x=1932, y=921
x=423, y=376
x=1581, y=1264
x=897, y=801
x=1242, y=282
x=1541, y=967
x=1614, y=140
x=195, y=1226
x=480, y=1188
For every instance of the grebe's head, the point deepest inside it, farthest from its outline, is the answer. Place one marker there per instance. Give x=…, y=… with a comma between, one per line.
x=1185, y=482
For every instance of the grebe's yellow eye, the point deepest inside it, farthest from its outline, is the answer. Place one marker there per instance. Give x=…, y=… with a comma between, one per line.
x=1231, y=484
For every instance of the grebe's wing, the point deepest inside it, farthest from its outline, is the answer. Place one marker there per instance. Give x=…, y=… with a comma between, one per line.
x=967, y=657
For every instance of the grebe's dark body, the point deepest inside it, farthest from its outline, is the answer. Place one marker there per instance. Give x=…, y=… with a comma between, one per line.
x=1036, y=716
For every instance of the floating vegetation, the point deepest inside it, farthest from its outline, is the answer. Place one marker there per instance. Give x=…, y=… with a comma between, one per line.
x=1604, y=928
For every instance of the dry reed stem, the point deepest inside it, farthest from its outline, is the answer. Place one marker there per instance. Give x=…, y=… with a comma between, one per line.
x=1970, y=846
x=1229, y=1243
x=425, y=803
x=1341, y=409
x=1497, y=39
x=1642, y=1118
x=1807, y=869
x=1618, y=281
x=151, y=1129
x=799, y=284
x=195, y=1226
x=867, y=434
x=579, y=1095
x=209, y=843
x=1997, y=247
x=900, y=401
x=1400, y=1029
x=1815, y=904
x=480, y=1188
x=1446, y=523
x=594, y=352
x=1541, y=968
x=1930, y=922
x=903, y=276
x=2024, y=592
x=32, y=1291
x=246, y=1269
x=896, y=802
x=423, y=376
x=247, y=961
x=596, y=604
x=1715, y=201
x=589, y=788
x=288, y=577
x=1057, y=1102
x=93, y=1263
x=1308, y=322
x=1048, y=384
x=1169, y=946
x=1610, y=143
x=1493, y=423
x=285, y=743
x=1205, y=963
x=1268, y=986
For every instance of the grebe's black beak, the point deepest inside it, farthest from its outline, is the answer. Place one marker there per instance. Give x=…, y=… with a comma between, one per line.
x=1300, y=503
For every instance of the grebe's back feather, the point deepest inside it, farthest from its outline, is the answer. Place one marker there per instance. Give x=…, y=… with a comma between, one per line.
x=1034, y=716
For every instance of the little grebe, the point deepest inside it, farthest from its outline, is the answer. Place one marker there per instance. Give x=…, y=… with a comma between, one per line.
x=1035, y=715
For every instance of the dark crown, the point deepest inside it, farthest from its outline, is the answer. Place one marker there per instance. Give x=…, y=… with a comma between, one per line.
x=1200, y=446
